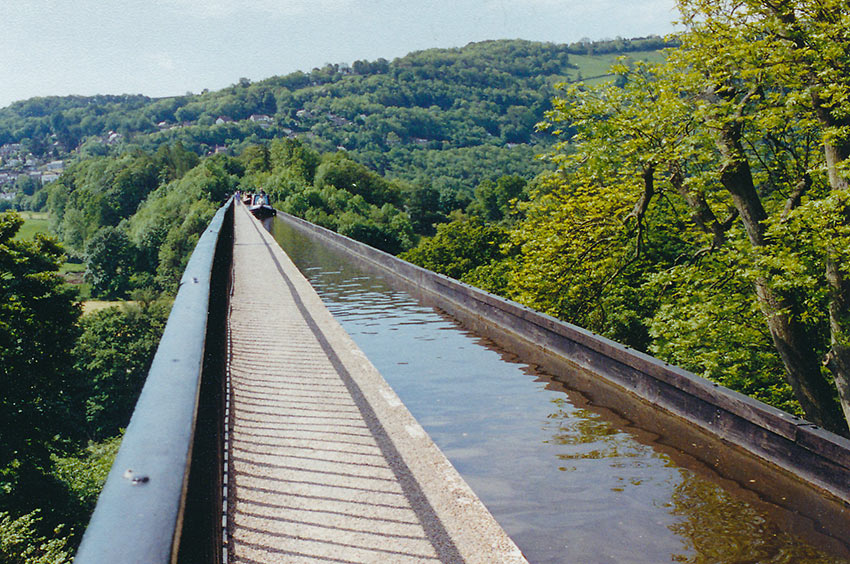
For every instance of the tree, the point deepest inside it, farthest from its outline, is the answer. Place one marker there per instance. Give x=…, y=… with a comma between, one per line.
x=459, y=247
x=256, y=159
x=423, y=206
x=174, y=161
x=110, y=261
x=180, y=241
x=803, y=43
x=27, y=184
x=291, y=153
x=115, y=351
x=340, y=171
x=38, y=316
x=727, y=142
x=494, y=200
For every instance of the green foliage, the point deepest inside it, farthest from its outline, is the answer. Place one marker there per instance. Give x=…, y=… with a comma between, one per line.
x=292, y=155
x=114, y=352
x=495, y=201
x=683, y=215
x=38, y=410
x=461, y=249
x=168, y=224
x=21, y=543
x=179, y=243
x=173, y=161
x=98, y=192
x=86, y=471
x=339, y=171
x=37, y=330
x=110, y=259
x=425, y=209
x=710, y=323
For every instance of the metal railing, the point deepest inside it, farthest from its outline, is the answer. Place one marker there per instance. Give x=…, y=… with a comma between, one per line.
x=162, y=499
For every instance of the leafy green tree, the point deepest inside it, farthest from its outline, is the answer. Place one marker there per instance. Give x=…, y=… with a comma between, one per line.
x=340, y=171
x=110, y=262
x=494, y=201
x=256, y=159
x=460, y=247
x=38, y=328
x=714, y=138
x=115, y=351
x=85, y=472
x=173, y=161
x=292, y=154
x=26, y=184
x=179, y=243
x=424, y=207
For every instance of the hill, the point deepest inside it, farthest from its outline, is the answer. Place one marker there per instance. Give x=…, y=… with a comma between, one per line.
x=440, y=116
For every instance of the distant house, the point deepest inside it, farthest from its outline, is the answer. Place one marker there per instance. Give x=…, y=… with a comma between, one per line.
x=55, y=165
x=49, y=177
x=262, y=120
x=338, y=121
x=223, y=119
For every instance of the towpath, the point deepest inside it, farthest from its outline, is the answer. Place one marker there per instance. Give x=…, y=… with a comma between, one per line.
x=325, y=463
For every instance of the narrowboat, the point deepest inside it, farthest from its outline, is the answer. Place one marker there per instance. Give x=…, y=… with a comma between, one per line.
x=259, y=206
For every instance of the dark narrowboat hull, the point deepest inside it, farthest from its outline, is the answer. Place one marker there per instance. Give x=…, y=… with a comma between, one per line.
x=263, y=211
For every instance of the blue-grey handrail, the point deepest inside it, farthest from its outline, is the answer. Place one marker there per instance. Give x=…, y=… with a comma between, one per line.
x=139, y=514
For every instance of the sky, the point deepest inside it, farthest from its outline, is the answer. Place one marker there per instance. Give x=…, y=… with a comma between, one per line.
x=171, y=47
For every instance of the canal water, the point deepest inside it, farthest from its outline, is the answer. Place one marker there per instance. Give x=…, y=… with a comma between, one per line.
x=568, y=479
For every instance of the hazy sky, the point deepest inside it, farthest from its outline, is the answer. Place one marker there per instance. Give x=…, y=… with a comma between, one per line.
x=169, y=47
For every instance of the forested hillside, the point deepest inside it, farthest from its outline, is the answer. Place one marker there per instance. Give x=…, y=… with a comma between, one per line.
x=441, y=117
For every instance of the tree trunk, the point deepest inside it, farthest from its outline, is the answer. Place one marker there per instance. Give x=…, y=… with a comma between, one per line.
x=795, y=348
x=838, y=358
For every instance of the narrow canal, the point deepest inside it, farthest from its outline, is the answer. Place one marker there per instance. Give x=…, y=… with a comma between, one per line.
x=569, y=478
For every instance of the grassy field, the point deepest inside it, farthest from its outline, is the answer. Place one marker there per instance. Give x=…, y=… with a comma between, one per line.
x=91, y=306
x=596, y=68
x=34, y=222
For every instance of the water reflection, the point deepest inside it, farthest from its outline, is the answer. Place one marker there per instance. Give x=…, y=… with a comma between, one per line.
x=568, y=480
x=716, y=528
